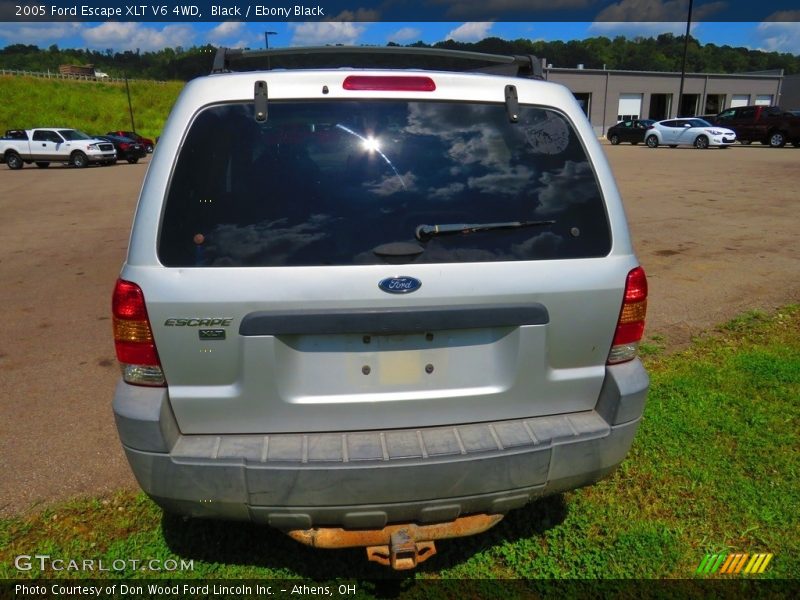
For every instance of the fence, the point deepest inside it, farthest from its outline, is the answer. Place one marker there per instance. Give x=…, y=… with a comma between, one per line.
x=56, y=75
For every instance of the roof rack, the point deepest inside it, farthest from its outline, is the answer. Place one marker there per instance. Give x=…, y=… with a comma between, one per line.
x=391, y=57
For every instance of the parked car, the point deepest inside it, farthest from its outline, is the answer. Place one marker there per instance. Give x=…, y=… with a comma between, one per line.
x=769, y=125
x=54, y=144
x=628, y=131
x=127, y=149
x=688, y=132
x=148, y=144
x=387, y=300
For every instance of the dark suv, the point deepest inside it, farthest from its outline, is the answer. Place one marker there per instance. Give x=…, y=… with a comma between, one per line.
x=765, y=124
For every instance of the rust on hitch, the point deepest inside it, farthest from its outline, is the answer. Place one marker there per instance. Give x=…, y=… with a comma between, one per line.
x=401, y=546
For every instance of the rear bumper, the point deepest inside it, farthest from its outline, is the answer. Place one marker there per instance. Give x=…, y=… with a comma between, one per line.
x=369, y=479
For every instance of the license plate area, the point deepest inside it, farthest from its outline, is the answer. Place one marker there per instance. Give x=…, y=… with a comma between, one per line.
x=318, y=368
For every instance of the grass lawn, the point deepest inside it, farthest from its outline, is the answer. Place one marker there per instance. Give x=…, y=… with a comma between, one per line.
x=91, y=106
x=714, y=469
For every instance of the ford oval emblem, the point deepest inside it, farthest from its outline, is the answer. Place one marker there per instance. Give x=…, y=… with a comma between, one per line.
x=400, y=285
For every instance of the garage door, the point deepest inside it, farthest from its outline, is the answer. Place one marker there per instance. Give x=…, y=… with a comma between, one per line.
x=740, y=100
x=630, y=107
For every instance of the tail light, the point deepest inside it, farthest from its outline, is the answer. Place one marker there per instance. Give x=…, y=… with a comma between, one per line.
x=133, y=337
x=392, y=83
x=630, y=325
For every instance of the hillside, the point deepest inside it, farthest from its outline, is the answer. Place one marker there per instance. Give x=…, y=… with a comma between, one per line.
x=93, y=107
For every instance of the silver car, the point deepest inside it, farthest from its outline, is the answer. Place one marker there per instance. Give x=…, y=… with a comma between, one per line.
x=376, y=307
x=688, y=132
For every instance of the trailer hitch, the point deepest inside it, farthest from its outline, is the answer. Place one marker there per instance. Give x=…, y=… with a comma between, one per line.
x=400, y=546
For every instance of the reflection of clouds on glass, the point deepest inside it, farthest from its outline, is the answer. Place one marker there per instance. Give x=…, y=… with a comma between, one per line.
x=468, y=130
x=542, y=245
x=446, y=192
x=392, y=183
x=572, y=184
x=267, y=242
x=510, y=180
x=484, y=145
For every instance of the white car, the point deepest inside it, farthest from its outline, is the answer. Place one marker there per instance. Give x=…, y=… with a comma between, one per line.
x=688, y=132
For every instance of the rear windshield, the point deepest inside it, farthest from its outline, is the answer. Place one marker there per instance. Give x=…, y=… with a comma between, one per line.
x=335, y=182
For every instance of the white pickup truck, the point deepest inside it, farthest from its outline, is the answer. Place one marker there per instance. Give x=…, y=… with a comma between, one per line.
x=54, y=144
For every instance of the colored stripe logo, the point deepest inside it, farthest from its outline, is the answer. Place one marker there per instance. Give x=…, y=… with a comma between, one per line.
x=750, y=564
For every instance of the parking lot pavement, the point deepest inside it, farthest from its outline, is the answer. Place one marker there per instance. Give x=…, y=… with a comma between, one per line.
x=714, y=229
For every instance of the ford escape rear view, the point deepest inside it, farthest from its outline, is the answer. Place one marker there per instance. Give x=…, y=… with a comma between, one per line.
x=376, y=306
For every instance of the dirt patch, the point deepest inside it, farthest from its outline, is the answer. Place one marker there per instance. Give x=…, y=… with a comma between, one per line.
x=715, y=231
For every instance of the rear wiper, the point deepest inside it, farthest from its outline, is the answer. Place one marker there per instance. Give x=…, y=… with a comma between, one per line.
x=425, y=232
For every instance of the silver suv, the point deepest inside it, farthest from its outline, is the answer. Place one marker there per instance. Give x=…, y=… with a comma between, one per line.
x=376, y=307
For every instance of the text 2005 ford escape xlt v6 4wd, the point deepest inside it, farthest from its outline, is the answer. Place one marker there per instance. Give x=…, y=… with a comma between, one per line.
x=376, y=307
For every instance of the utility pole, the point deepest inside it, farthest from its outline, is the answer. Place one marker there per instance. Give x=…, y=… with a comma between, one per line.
x=130, y=106
x=683, y=64
x=266, y=39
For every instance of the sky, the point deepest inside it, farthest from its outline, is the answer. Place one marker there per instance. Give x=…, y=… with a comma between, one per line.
x=121, y=36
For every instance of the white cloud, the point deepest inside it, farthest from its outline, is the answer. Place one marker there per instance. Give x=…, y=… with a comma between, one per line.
x=325, y=32
x=226, y=30
x=406, y=34
x=129, y=36
x=43, y=34
x=658, y=10
x=780, y=32
x=225, y=33
x=470, y=32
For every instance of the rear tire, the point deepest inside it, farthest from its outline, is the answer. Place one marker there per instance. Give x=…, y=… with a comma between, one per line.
x=79, y=160
x=777, y=139
x=14, y=161
x=701, y=142
x=42, y=164
x=652, y=141
x=614, y=139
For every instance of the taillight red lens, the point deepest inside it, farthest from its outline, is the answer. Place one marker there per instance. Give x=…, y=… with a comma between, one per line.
x=128, y=301
x=133, y=337
x=393, y=83
x=630, y=324
x=636, y=286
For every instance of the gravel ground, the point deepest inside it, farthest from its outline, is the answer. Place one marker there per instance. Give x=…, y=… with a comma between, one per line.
x=716, y=231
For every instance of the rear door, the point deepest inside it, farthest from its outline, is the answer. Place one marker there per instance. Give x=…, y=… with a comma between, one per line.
x=284, y=244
